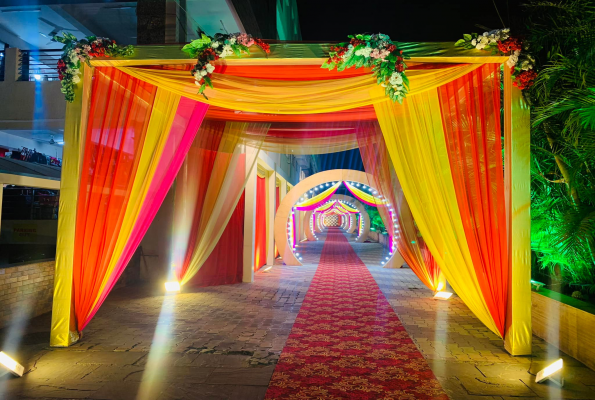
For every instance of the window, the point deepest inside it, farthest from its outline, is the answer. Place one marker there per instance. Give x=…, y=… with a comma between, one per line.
x=28, y=225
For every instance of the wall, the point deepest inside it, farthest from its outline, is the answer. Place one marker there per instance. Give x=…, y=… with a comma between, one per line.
x=29, y=105
x=26, y=291
x=566, y=323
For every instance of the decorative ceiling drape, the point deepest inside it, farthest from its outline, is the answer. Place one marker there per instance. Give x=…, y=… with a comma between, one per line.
x=262, y=95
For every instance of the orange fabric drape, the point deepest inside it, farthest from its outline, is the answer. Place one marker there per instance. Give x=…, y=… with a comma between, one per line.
x=260, y=238
x=118, y=121
x=409, y=243
x=470, y=109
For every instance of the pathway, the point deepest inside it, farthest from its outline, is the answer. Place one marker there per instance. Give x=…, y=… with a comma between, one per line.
x=347, y=342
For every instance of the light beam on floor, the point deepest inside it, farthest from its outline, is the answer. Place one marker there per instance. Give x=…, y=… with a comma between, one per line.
x=157, y=360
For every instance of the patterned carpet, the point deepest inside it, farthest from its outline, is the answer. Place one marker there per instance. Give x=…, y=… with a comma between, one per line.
x=347, y=342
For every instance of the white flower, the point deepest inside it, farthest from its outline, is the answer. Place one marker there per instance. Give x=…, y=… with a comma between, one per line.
x=76, y=79
x=485, y=40
x=512, y=60
x=474, y=42
x=197, y=83
x=215, y=45
x=210, y=68
x=227, y=51
x=364, y=52
x=232, y=40
x=203, y=72
x=396, y=79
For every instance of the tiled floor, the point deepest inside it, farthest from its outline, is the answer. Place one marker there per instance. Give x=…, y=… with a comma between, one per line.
x=222, y=343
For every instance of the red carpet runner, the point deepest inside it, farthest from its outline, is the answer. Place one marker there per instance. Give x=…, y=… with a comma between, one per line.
x=347, y=342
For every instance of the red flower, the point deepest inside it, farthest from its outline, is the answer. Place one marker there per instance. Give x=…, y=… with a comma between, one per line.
x=525, y=79
x=264, y=46
x=509, y=45
x=356, y=42
x=399, y=67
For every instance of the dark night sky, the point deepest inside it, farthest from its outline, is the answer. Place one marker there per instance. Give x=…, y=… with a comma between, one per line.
x=404, y=21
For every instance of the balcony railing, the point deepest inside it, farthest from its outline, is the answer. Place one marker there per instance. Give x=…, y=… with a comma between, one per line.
x=39, y=65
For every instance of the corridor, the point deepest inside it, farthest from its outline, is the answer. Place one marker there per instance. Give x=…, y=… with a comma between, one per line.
x=347, y=342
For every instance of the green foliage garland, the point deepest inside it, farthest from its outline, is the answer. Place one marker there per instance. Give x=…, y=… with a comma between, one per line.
x=376, y=51
x=77, y=51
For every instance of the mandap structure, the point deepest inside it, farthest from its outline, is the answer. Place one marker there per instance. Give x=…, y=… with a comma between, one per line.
x=461, y=211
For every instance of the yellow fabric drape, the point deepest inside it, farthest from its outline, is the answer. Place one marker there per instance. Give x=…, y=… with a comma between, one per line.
x=346, y=207
x=162, y=117
x=231, y=171
x=517, y=166
x=367, y=197
x=416, y=143
x=63, y=331
x=311, y=145
x=292, y=97
x=320, y=196
x=325, y=207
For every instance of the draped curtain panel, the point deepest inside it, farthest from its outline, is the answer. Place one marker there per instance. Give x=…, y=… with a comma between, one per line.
x=260, y=235
x=416, y=141
x=137, y=138
x=410, y=245
x=222, y=183
x=470, y=109
x=225, y=265
x=191, y=187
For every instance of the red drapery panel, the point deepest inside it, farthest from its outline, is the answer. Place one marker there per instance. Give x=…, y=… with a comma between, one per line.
x=471, y=118
x=225, y=264
x=118, y=120
x=277, y=202
x=260, y=239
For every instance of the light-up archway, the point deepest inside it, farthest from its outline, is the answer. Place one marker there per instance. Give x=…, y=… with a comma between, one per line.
x=284, y=212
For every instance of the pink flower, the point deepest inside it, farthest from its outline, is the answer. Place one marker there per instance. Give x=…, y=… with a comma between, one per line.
x=376, y=53
x=245, y=39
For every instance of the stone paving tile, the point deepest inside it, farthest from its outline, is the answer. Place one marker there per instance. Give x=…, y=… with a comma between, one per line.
x=224, y=341
x=469, y=360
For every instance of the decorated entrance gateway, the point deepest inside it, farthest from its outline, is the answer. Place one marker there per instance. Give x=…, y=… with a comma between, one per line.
x=425, y=116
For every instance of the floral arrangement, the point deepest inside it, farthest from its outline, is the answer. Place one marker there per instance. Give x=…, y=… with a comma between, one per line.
x=374, y=51
x=209, y=49
x=520, y=61
x=77, y=51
